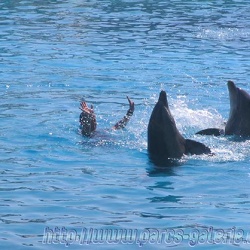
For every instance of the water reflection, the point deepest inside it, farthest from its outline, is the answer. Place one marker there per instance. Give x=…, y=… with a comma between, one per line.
x=164, y=164
x=156, y=171
x=166, y=199
x=166, y=186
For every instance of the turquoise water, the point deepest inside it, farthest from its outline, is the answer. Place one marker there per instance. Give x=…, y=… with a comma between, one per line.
x=54, y=182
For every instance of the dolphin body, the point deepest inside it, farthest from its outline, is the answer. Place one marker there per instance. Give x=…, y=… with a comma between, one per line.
x=239, y=117
x=164, y=139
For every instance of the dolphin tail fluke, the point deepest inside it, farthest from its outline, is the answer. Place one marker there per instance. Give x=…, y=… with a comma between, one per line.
x=196, y=148
x=211, y=131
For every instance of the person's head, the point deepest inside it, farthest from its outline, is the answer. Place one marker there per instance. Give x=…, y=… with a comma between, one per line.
x=88, y=123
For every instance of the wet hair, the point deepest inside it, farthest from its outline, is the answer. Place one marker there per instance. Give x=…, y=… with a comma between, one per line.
x=87, y=123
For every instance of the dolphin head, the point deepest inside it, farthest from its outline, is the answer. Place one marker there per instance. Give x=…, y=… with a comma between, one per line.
x=239, y=117
x=164, y=138
x=163, y=98
x=161, y=111
x=231, y=86
x=233, y=95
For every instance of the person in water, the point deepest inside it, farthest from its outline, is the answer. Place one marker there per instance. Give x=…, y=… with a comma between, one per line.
x=88, y=123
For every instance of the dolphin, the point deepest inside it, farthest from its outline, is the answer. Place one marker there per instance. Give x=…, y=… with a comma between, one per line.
x=239, y=117
x=164, y=139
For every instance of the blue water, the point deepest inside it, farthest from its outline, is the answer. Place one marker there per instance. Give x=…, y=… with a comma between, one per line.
x=53, y=54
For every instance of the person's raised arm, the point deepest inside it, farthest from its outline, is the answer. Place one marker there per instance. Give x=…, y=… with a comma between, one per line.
x=123, y=122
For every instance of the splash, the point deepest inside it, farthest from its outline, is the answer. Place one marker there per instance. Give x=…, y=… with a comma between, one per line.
x=223, y=34
x=188, y=120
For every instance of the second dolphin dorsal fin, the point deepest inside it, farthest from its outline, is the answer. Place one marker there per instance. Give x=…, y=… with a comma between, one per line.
x=211, y=131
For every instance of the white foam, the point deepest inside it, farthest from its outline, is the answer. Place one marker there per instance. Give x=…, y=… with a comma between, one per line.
x=223, y=34
x=189, y=121
x=187, y=118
